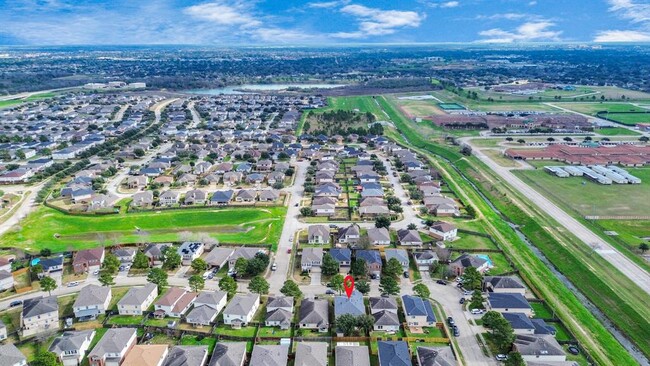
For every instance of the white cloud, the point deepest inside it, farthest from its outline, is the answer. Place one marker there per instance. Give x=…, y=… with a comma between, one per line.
x=224, y=13
x=629, y=9
x=622, y=36
x=507, y=16
x=445, y=4
x=532, y=3
x=327, y=4
x=527, y=32
x=378, y=22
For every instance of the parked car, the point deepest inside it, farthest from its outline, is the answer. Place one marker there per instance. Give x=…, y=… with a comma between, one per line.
x=477, y=311
x=441, y=282
x=573, y=350
x=501, y=357
x=289, y=251
x=450, y=321
x=467, y=292
x=274, y=266
x=73, y=284
x=406, y=274
x=330, y=292
x=456, y=331
x=462, y=300
x=13, y=304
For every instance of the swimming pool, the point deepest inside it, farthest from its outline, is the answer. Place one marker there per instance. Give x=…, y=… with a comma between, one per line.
x=487, y=258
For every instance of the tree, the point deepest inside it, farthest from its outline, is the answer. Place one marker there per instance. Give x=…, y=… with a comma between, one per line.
x=141, y=261
x=241, y=264
x=643, y=247
x=257, y=265
x=503, y=334
x=336, y=283
x=158, y=277
x=393, y=268
x=382, y=221
x=46, y=252
x=36, y=270
x=229, y=285
x=306, y=211
x=106, y=278
x=171, y=259
x=196, y=282
x=365, y=323
x=346, y=323
x=45, y=359
x=359, y=268
x=199, y=265
x=258, y=285
x=48, y=284
x=515, y=359
x=363, y=287
x=330, y=266
x=388, y=285
x=412, y=226
x=422, y=290
x=490, y=318
x=476, y=302
x=290, y=288
x=111, y=263
x=472, y=279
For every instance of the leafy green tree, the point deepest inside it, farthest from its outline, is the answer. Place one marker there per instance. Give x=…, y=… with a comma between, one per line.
x=35, y=270
x=196, y=282
x=359, y=268
x=422, y=290
x=258, y=285
x=111, y=263
x=336, y=282
x=171, y=259
x=330, y=266
x=643, y=247
x=412, y=226
x=515, y=359
x=346, y=323
x=476, y=302
x=199, y=265
x=490, y=318
x=388, y=285
x=257, y=265
x=158, y=276
x=241, y=264
x=363, y=287
x=392, y=268
x=472, y=279
x=382, y=221
x=141, y=261
x=365, y=323
x=46, y=252
x=290, y=288
x=503, y=334
x=229, y=285
x=48, y=284
x=106, y=278
x=45, y=359
x=306, y=211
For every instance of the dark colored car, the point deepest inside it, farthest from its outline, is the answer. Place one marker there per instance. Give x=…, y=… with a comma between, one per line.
x=330, y=292
x=573, y=350
x=450, y=321
x=441, y=282
x=13, y=304
x=406, y=274
x=462, y=300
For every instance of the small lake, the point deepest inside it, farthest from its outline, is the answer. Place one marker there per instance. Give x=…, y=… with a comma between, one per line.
x=252, y=88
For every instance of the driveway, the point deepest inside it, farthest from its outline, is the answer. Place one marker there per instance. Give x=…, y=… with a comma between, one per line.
x=315, y=276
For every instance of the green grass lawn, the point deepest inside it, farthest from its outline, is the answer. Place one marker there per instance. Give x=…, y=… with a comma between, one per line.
x=161, y=323
x=274, y=332
x=595, y=107
x=13, y=102
x=630, y=232
x=561, y=333
x=616, y=131
x=629, y=119
x=592, y=198
x=192, y=340
x=243, y=332
x=125, y=320
x=541, y=310
x=232, y=225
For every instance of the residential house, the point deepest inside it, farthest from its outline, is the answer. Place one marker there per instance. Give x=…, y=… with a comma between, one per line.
x=50, y=265
x=509, y=303
x=425, y=259
x=400, y=254
x=218, y=257
x=221, y=198
x=88, y=260
x=314, y=314
x=349, y=235
x=318, y=234
x=270, y=355
x=92, y=301
x=186, y=356
x=174, y=303
x=435, y=356
x=409, y=237
x=137, y=181
x=353, y=305
x=113, y=347
x=154, y=252
x=324, y=209
x=137, y=300
x=246, y=195
x=372, y=259
x=384, y=310
x=39, y=315
x=70, y=348
x=441, y=206
x=146, y=355
x=417, y=311
x=443, y=231
x=343, y=256
x=125, y=255
x=311, y=354
x=142, y=199
x=352, y=355
x=243, y=252
x=190, y=250
x=539, y=348
x=279, y=311
x=393, y=353
x=522, y=324
x=503, y=284
x=241, y=309
x=458, y=265
x=11, y=355
x=268, y=195
x=169, y=198
x=6, y=280
x=195, y=197
x=379, y=236
x=310, y=258
x=228, y=354
x=3, y=331
x=207, y=306
x=101, y=201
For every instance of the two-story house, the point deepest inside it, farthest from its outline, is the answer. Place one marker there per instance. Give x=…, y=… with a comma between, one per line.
x=241, y=310
x=39, y=315
x=88, y=260
x=71, y=347
x=137, y=300
x=92, y=301
x=113, y=347
x=417, y=311
x=174, y=303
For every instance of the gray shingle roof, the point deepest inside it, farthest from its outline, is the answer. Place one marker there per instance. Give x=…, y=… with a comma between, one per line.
x=354, y=305
x=228, y=354
x=11, y=355
x=393, y=353
x=536, y=345
x=40, y=306
x=415, y=305
x=436, y=356
x=113, y=341
x=311, y=354
x=352, y=355
x=92, y=295
x=69, y=341
x=137, y=295
x=386, y=318
x=383, y=303
x=508, y=301
x=314, y=312
x=186, y=356
x=269, y=355
x=241, y=304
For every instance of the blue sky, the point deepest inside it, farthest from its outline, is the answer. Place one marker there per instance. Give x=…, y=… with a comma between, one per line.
x=239, y=22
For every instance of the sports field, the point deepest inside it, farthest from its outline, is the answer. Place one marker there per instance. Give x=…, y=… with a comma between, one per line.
x=629, y=119
x=595, y=107
x=592, y=198
x=49, y=228
x=616, y=131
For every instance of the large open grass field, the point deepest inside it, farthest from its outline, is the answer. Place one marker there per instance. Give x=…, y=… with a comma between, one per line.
x=629, y=119
x=13, y=102
x=595, y=107
x=616, y=131
x=630, y=232
x=48, y=228
x=592, y=198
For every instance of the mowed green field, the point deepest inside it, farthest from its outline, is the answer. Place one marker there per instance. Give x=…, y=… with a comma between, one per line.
x=616, y=131
x=629, y=119
x=13, y=102
x=593, y=108
x=593, y=198
x=632, y=232
x=48, y=228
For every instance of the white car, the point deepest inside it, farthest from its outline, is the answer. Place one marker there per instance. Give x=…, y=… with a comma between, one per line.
x=477, y=311
x=274, y=267
x=73, y=284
